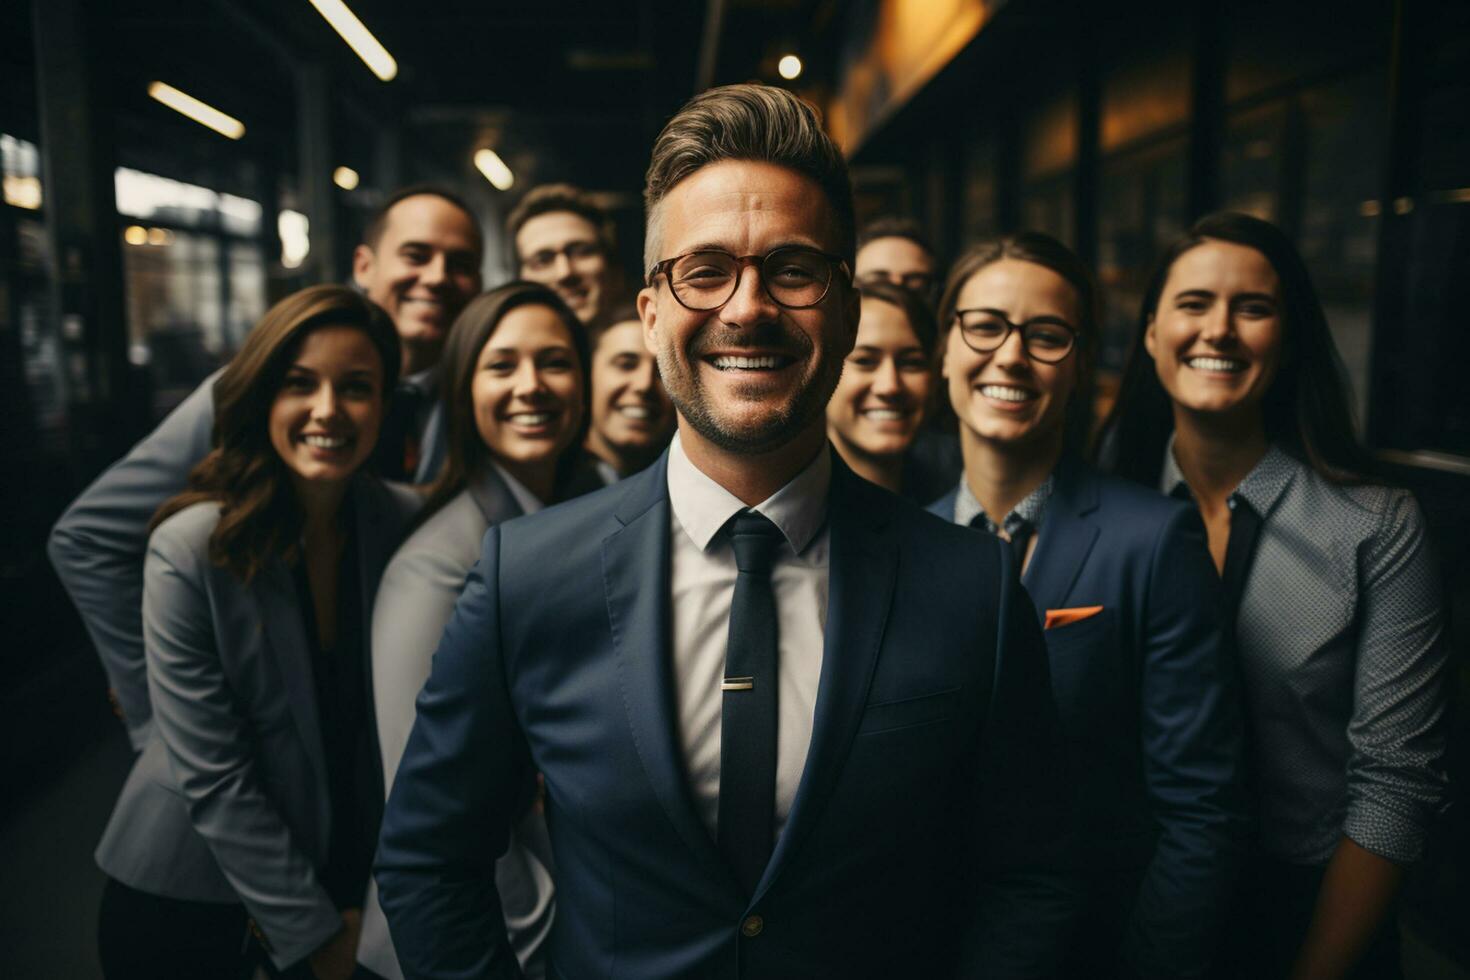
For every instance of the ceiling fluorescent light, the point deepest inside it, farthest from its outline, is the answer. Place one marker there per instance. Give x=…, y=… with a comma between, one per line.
x=489, y=163
x=200, y=112
x=358, y=38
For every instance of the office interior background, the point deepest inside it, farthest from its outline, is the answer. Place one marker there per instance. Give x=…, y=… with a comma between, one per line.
x=137, y=245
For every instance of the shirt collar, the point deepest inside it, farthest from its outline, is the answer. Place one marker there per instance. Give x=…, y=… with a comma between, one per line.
x=1031, y=509
x=426, y=382
x=528, y=501
x=702, y=506
x=1261, y=488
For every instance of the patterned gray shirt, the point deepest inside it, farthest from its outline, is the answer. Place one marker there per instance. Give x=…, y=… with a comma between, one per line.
x=1032, y=509
x=1343, y=657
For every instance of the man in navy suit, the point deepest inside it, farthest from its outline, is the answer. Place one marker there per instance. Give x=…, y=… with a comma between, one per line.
x=789, y=725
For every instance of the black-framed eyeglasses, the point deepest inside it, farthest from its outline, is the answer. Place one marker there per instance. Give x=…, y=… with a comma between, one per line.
x=915, y=282
x=1047, y=339
x=575, y=252
x=794, y=276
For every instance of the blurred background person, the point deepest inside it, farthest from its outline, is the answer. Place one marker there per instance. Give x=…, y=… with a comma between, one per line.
x=564, y=240
x=1122, y=582
x=632, y=417
x=1234, y=399
x=256, y=800
x=885, y=393
x=419, y=261
x=895, y=250
x=515, y=396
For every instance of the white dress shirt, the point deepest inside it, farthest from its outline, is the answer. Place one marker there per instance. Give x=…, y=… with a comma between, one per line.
x=702, y=572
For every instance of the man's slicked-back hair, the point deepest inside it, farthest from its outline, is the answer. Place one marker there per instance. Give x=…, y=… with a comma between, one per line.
x=748, y=122
x=893, y=226
x=551, y=198
x=372, y=232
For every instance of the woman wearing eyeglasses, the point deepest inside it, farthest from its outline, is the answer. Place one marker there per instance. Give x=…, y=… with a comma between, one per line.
x=1129, y=601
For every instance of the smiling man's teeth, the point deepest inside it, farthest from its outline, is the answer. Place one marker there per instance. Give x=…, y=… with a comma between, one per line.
x=324, y=442
x=884, y=414
x=1005, y=393
x=1229, y=364
x=635, y=411
x=532, y=418
x=729, y=362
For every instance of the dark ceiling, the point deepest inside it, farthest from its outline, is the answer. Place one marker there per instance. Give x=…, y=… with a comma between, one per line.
x=563, y=91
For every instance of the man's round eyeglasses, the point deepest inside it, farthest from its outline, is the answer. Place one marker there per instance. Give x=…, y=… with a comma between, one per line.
x=576, y=252
x=1047, y=339
x=794, y=276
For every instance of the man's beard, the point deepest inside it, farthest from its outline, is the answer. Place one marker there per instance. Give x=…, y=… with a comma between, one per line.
x=685, y=389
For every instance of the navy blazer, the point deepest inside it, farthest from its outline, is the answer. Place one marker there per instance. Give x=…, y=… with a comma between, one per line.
x=1148, y=703
x=925, y=835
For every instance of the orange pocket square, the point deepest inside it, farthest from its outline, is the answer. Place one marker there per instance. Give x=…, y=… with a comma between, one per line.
x=1065, y=617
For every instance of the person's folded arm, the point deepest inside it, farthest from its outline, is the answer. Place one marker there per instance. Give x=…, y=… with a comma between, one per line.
x=1026, y=834
x=211, y=753
x=457, y=789
x=97, y=547
x=1192, y=744
x=1396, y=782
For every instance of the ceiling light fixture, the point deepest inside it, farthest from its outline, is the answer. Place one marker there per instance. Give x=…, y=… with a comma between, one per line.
x=789, y=67
x=488, y=162
x=358, y=38
x=201, y=112
x=345, y=178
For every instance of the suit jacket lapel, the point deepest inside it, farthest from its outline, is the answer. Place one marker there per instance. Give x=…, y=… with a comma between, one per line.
x=636, y=577
x=1065, y=540
x=863, y=565
x=497, y=504
x=280, y=611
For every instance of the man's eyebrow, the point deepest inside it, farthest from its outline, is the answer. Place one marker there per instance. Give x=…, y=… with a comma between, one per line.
x=1200, y=293
x=786, y=243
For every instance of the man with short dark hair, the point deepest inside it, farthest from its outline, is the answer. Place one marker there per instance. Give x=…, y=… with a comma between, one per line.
x=789, y=725
x=420, y=261
x=895, y=250
x=563, y=239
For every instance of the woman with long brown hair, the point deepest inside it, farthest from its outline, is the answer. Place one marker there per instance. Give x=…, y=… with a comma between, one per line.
x=515, y=395
x=1233, y=399
x=249, y=821
x=1128, y=603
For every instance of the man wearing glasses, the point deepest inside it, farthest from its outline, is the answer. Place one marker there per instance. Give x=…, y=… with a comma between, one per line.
x=789, y=725
x=894, y=250
x=563, y=239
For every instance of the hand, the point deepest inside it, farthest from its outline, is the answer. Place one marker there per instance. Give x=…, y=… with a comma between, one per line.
x=336, y=959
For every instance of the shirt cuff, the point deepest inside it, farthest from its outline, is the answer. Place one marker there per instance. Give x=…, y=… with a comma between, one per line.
x=1384, y=832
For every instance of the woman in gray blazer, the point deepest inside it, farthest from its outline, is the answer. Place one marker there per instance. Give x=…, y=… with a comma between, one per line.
x=248, y=823
x=515, y=400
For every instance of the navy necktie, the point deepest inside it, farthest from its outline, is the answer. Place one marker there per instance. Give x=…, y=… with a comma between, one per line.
x=1019, y=538
x=748, y=704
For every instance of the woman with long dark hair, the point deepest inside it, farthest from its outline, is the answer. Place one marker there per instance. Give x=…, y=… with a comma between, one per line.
x=1123, y=586
x=515, y=395
x=1233, y=398
x=254, y=806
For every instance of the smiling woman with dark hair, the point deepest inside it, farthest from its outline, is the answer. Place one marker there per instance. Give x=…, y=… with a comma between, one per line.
x=257, y=797
x=515, y=394
x=1234, y=399
x=1128, y=601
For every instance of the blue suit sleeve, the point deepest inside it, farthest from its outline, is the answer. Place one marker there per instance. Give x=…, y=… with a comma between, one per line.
x=454, y=798
x=1192, y=741
x=1028, y=895
x=98, y=546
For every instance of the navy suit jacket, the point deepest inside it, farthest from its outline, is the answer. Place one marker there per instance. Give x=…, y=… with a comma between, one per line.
x=1148, y=703
x=925, y=835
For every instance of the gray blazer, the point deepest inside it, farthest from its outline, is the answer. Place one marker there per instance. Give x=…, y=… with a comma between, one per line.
x=228, y=800
x=97, y=546
x=414, y=604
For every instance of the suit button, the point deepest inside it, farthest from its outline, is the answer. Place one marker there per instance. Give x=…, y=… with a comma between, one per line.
x=752, y=926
